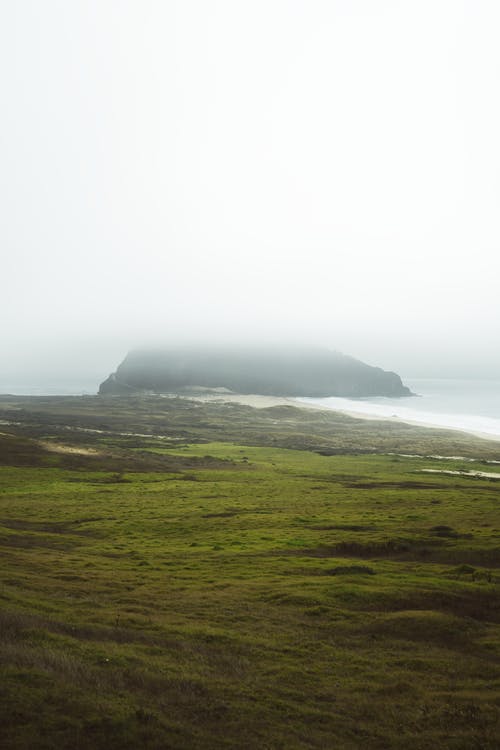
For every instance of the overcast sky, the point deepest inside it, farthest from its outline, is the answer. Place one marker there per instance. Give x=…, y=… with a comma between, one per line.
x=324, y=170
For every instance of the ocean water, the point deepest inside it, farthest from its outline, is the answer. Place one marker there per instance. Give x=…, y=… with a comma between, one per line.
x=48, y=389
x=470, y=405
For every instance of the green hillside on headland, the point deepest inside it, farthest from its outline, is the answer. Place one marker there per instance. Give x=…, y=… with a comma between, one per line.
x=188, y=575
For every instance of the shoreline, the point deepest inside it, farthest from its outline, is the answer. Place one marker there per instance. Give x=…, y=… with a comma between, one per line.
x=259, y=401
x=265, y=402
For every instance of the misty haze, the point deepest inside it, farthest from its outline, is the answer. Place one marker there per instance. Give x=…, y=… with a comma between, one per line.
x=322, y=172
x=249, y=374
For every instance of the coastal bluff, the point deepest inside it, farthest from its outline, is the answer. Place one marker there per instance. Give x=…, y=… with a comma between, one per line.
x=318, y=373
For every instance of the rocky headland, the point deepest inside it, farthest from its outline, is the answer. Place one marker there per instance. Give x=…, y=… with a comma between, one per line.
x=306, y=372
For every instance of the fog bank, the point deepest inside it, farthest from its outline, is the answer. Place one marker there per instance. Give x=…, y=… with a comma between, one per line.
x=315, y=172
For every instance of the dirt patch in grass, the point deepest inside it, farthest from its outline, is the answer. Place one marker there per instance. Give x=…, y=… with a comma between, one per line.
x=349, y=570
x=480, y=604
x=50, y=527
x=406, y=485
x=67, y=449
x=32, y=541
x=430, y=626
x=431, y=550
x=344, y=527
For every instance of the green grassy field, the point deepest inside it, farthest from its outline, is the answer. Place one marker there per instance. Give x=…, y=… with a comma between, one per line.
x=216, y=581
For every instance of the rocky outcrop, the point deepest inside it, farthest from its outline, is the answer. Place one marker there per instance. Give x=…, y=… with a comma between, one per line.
x=304, y=372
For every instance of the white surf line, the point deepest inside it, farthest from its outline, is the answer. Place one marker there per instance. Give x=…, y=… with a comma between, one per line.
x=440, y=458
x=466, y=459
x=481, y=474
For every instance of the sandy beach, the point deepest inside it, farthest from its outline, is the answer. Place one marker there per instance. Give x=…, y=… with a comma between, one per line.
x=264, y=402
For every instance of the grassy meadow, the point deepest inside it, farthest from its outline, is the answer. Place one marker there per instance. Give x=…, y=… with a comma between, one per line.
x=189, y=576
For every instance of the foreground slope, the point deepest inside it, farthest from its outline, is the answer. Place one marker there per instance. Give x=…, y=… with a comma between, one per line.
x=161, y=591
